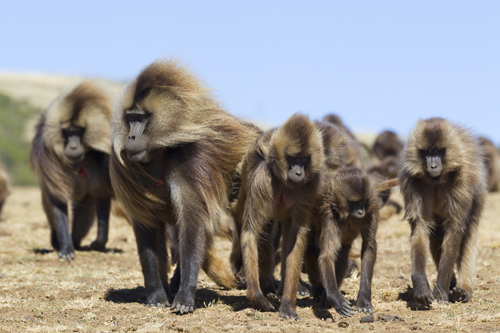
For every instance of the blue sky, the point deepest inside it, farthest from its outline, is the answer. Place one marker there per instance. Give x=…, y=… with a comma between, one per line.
x=378, y=64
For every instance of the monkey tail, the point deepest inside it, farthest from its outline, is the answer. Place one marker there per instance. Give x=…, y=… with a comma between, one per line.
x=385, y=185
x=217, y=271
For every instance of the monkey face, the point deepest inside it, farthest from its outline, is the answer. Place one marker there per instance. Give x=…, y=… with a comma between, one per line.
x=136, y=144
x=297, y=168
x=433, y=162
x=357, y=209
x=74, y=149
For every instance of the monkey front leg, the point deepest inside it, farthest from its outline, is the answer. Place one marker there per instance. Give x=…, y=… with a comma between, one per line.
x=368, y=257
x=419, y=240
x=153, y=256
x=331, y=249
x=57, y=214
x=449, y=254
x=293, y=254
x=251, y=264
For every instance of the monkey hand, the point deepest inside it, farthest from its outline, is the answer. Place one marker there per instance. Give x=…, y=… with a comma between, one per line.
x=424, y=297
x=183, y=302
x=157, y=298
x=341, y=304
x=67, y=254
x=459, y=295
x=260, y=302
x=287, y=311
x=364, y=305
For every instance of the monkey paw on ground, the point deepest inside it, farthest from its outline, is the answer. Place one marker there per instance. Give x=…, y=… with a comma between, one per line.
x=440, y=295
x=67, y=254
x=424, y=298
x=364, y=306
x=459, y=295
x=183, y=303
x=341, y=305
x=262, y=303
x=302, y=290
x=287, y=311
x=157, y=298
x=98, y=245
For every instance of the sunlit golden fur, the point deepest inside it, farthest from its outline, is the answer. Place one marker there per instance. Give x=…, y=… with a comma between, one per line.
x=444, y=214
x=84, y=105
x=183, y=112
x=267, y=194
x=492, y=160
x=194, y=147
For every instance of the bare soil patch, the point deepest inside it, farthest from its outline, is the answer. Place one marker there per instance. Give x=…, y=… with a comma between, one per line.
x=104, y=291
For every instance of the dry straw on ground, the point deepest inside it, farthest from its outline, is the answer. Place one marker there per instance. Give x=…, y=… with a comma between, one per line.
x=103, y=291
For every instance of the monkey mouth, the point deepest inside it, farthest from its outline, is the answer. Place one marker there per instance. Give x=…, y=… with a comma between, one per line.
x=139, y=156
x=75, y=158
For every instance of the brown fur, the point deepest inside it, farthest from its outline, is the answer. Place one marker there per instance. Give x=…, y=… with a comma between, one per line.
x=193, y=148
x=85, y=183
x=333, y=231
x=492, y=161
x=268, y=195
x=5, y=188
x=443, y=213
x=387, y=144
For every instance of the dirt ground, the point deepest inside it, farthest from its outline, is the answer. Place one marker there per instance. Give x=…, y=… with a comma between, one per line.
x=104, y=291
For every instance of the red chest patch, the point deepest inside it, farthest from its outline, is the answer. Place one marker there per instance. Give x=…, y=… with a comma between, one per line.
x=82, y=172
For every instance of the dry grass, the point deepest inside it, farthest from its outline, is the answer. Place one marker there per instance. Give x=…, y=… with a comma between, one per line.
x=103, y=291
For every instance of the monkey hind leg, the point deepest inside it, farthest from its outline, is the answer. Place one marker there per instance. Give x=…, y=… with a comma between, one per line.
x=84, y=213
x=466, y=264
x=214, y=266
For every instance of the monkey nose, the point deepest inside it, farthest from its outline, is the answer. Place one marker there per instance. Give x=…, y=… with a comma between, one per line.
x=131, y=137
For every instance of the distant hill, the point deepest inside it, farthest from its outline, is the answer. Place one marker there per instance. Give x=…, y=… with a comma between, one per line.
x=22, y=99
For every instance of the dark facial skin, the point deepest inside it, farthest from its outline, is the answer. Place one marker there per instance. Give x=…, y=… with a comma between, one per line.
x=137, y=141
x=434, y=166
x=358, y=209
x=74, y=148
x=296, y=172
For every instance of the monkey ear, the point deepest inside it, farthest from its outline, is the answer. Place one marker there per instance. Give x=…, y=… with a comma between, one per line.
x=385, y=185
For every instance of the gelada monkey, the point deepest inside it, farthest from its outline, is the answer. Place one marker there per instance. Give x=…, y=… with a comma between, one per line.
x=175, y=153
x=443, y=183
x=70, y=157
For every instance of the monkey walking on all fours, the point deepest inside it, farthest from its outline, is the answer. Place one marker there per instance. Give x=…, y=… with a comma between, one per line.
x=70, y=157
x=175, y=155
x=347, y=207
x=443, y=182
x=280, y=178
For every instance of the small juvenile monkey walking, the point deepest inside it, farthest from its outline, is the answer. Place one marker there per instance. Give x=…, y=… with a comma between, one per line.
x=443, y=182
x=348, y=207
x=70, y=157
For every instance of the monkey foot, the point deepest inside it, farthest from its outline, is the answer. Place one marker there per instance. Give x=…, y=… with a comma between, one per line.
x=287, y=311
x=260, y=302
x=424, y=299
x=440, y=295
x=183, y=303
x=157, y=298
x=98, y=245
x=341, y=305
x=364, y=306
x=459, y=295
x=67, y=255
x=302, y=290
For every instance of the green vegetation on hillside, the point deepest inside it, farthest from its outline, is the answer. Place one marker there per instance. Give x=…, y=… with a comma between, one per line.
x=14, y=147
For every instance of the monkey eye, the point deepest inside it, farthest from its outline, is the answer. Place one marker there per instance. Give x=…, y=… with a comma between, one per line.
x=73, y=131
x=136, y=117
x=302, y=161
